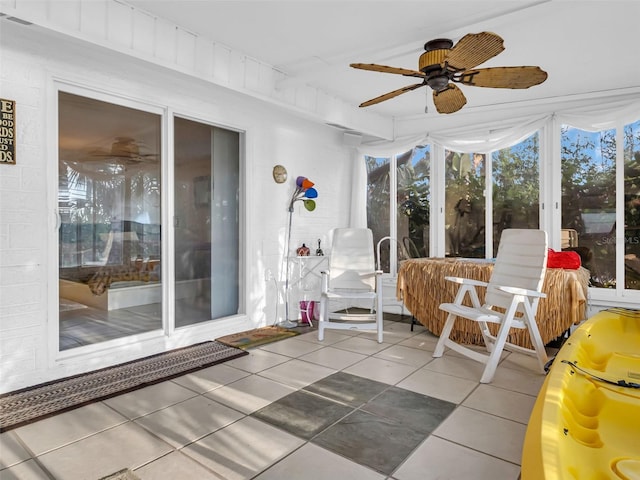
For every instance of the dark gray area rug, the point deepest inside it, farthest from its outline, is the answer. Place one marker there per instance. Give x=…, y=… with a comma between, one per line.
x=35, y=403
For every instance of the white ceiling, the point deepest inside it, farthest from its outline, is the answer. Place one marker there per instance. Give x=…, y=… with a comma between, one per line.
x=588, y=48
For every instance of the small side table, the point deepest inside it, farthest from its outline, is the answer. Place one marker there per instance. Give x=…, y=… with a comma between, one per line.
x=306, y=279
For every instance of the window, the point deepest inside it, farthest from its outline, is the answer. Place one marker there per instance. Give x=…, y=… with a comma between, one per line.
x=632, y=206
x=406, y=178
x=513, y=202
x=589, y=199
x=464, y=204
x=516, y=187
x=413, y=195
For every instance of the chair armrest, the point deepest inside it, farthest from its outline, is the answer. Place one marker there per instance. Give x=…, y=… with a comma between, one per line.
x=467, y=281
x=522, y=291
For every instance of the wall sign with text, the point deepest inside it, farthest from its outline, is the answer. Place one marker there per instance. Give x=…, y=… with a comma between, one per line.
x=7, y=131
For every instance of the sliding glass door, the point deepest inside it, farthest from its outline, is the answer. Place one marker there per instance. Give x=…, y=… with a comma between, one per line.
x=206, y=221
x=109, y=200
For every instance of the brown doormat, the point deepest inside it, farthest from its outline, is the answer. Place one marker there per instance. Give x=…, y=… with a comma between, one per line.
x=40, y=401
x=257, y=336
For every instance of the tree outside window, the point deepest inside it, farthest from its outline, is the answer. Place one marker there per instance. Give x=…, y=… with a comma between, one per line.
x=589, y=199
x=516, y=188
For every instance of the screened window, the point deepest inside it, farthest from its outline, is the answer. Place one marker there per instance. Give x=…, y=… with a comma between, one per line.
x=464, y=204
x=632, y=206
x=516, y=187
x=589, y=200
x=413, y=195
x=404, y=178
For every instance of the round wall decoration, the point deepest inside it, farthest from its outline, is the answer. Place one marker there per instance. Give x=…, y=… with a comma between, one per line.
x=279, y=174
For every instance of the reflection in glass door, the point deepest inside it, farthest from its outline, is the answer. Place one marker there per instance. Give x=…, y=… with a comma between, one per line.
x=206, y=222
x=109, y=221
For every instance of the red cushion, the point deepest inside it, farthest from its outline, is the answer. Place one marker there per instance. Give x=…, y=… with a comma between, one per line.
x=568, y=260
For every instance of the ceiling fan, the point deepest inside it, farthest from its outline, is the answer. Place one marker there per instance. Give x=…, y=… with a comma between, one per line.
x=442, y=65
x=126, y=156
x=125, y=150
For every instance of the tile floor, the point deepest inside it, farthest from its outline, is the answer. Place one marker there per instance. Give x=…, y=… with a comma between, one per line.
x=346, y=408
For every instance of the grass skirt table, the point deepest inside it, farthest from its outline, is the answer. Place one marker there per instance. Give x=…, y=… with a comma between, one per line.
x=422, y=287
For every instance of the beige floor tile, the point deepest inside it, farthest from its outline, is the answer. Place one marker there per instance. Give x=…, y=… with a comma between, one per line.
x=149, y=399
x=11, y=452
x=209, y=378
x=333, y=357
x=297, y=374
x=28, y=470
x=257, y=360
x=438, y=459
x=60, y=430
x=125, y=446
x=381, y=370
x=361, y=345
x=315, y=463
x=457, y=367
x=243, y=449
x=405, y=355
x=250, y=393
x=523, y=363
x=438, y=385
x=487, y=433
x=188, y=421
x=502, y=403
x=527, y=382
x=330, y=337
x=175, y=466
x=423, y=341
x=292, y=347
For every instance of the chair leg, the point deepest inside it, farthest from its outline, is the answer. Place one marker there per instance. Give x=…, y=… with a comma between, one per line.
x=379, y=314
x=444, y=335
x=494, y=356
x=322, y=319
x=538, y=345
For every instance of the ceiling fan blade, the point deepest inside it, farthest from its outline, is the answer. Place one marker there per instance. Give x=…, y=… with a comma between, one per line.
x=474, y=49
x=450, y=100
x=503, y=77
x=383, y=68
x=389, y=95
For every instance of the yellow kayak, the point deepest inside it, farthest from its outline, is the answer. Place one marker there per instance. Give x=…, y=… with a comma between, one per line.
x=585, y=424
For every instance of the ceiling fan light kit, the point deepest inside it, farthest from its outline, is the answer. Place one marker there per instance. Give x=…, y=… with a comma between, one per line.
x=444, y=64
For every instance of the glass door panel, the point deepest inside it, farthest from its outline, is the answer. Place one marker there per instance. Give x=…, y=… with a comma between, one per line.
x=109, y=215
x=206, y=221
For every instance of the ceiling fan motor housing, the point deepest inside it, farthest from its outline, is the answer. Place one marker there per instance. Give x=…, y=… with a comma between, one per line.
x=432, y=61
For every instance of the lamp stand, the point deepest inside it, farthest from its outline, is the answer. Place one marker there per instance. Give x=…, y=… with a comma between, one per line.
x=287, y=323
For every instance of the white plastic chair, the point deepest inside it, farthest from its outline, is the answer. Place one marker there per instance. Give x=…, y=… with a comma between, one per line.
x=352, y=279
x=515, y=287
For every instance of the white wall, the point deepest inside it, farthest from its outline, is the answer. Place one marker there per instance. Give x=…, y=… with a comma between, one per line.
x=31, y=60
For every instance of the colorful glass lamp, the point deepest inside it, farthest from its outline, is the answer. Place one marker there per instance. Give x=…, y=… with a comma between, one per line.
x=305, y=193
